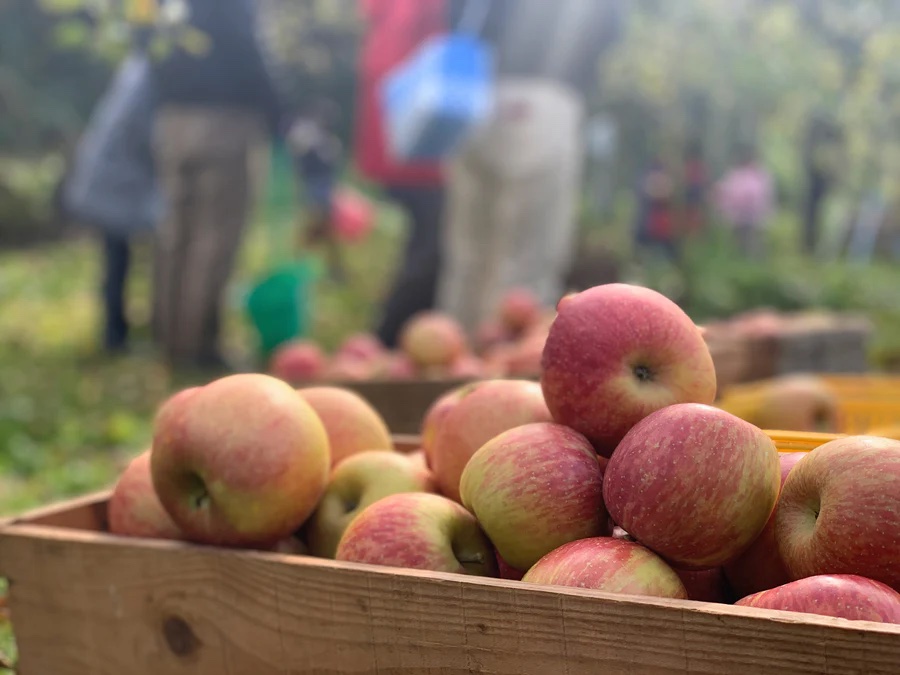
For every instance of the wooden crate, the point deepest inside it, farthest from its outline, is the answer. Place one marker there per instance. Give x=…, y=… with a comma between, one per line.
x=402, y=404
x=85, y=602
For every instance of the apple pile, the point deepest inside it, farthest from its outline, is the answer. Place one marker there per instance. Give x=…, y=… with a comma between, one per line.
x=613, y=473
x=432, y=345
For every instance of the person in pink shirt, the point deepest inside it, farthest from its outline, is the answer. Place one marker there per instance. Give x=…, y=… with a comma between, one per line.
x=745, y=197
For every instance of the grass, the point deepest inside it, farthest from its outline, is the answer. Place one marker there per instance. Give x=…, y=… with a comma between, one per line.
x=70, y=417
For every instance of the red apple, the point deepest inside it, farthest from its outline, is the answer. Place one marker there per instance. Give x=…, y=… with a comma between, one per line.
x=519, y=309
x=361, y=347
x=760, y=567
x=433, y=339
x=617, y=353
x=534, y=488
x=706, y=585
x=610, y=565
x=134, y=510
x=434, y=417
x=844, y=596
x=693, y=483
x=485, y=409
x=298, y=361
x=466, y=367
x=357, y=482
x=241, y=461
x=839, y=511
x=347, y=369
x=506, y=570
x=418, y=531
x=396, y=366
x=352, y=424
x=490, y=334
x=525, y=357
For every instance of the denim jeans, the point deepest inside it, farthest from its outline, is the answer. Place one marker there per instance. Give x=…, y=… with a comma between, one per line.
x=415, y=285
x=116, y=262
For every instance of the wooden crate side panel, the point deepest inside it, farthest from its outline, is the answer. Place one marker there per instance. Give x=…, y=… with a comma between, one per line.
x=85, y=603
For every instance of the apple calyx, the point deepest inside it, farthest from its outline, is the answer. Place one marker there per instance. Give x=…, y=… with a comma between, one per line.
x=643, y=373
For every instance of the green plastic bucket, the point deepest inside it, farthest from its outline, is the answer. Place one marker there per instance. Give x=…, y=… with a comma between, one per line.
x=280, y=305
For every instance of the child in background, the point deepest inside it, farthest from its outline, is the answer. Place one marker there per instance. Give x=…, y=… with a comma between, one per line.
x=317, y=155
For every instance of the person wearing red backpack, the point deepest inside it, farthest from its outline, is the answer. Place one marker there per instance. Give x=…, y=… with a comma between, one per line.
x=394, y=30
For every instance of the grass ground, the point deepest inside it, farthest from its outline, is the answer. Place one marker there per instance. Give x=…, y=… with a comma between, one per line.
x=70, y=416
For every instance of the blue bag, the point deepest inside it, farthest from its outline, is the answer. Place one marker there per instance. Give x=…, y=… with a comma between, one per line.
x=113, y=184
x=433, y=101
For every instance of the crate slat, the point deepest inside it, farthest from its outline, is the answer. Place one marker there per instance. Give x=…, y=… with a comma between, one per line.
x=90, y=603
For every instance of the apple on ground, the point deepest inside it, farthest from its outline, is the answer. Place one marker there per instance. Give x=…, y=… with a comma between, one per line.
x=433, y=339
x=358, y=482
x=485, y=409
x=609, y=565
x=242, y=461
x=617, y=353
x=839, y=511
x=352, y=424
x=418, y=531
x=534, y=488
x=693, y=483
x=760, y=567
x=298, y=361
x=134, y=510
x=845, y=596
x=797, y=402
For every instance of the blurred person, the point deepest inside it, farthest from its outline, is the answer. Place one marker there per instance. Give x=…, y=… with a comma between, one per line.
x=110, y=185
x=655, y=227
x=695, y=186
x=317, y=154
x=214, y=109
x=745, y=196
x=513, y=190
x=394, y=29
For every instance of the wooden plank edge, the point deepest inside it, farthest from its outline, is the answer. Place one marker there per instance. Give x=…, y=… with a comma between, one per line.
x=57, y=508
x=714, y=610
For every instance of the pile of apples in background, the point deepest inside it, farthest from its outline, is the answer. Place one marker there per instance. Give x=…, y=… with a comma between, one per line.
x=432, y=346
x=613, y=473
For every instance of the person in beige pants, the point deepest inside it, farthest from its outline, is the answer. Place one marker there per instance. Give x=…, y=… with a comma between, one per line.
x=511, y=207
x=215, y=109
x=204, y=159
x=513, y=190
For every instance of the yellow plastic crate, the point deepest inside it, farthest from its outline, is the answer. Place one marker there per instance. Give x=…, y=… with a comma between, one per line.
x=866, y=403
